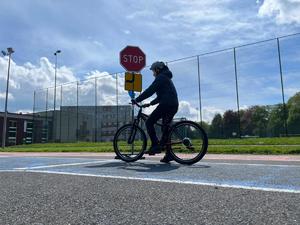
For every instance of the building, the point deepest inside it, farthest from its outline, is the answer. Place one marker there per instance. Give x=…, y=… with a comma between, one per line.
x=82, y=123
x=69, y=124
x=19, y=128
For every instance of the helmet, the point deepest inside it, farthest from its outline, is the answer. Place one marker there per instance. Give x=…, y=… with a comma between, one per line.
x=157, y=65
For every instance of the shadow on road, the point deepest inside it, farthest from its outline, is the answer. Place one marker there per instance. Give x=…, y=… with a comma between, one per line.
x=144, y=167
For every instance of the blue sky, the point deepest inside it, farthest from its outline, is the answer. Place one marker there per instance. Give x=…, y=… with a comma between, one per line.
x=91, y=35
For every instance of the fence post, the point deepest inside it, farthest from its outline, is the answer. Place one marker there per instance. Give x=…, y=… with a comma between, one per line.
x=96, y=121
x=282, y=89
x=199, y=85
x=33, y=122
x=60, y=112
x=47, y=128
x=237, y=90
x=77, y=116
x=117, y=99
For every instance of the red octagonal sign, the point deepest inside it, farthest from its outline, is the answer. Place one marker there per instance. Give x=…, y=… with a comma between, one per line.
x=132, y=58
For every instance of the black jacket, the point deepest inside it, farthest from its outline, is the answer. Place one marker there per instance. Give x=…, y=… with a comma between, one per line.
x=164, y=89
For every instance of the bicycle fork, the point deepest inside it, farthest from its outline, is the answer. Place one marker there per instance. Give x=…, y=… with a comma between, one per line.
x=132, y=133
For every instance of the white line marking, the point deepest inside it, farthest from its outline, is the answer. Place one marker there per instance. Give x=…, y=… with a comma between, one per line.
x=249, y=164
x=113, y=160
x=63, y=165
x=172, y=181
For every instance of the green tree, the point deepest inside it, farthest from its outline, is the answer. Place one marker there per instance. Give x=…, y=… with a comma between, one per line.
x=246, y=122
x=276, y=125
x=216, y=127
x=293, y=120
x=260, y=119
x=205, y=126
x=231, y=124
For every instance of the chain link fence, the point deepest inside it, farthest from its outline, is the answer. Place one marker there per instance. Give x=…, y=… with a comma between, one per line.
x=251, y=90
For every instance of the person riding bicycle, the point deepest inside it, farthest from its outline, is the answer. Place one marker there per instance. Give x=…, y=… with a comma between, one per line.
x=167, y=101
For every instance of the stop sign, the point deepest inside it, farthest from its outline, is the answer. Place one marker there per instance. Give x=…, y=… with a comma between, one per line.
x=132, y=58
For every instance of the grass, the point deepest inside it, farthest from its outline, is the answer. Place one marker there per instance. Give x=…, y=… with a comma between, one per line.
x=257, y=141
x=285, y=145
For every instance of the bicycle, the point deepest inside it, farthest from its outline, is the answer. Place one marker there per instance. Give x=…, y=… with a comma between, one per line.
x=186, y=141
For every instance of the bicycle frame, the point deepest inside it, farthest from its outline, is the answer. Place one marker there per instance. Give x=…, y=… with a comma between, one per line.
x=144, y=117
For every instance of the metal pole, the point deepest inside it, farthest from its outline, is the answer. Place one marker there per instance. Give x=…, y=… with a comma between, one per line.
x=117, y=99
x=200, y=100
x=54, y=104
x=33, y=111
x=46, y=127
x=282, y=89
x=237, y=91
x=96, y=122
x=10, y=51
x=60, y=112
x=77, y=117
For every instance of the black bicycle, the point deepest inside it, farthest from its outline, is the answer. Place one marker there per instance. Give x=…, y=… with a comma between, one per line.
x=187, y=142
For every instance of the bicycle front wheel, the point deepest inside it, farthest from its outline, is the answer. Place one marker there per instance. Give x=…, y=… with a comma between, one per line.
x=130, y=142
x=188, y=142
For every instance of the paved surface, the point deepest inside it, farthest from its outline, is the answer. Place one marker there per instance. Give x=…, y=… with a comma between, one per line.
x=92, y=189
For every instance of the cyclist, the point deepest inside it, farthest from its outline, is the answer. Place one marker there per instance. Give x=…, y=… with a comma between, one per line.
x=167, y=101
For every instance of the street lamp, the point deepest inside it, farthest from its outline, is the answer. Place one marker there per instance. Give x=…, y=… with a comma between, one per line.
x=9, y=52
x=54, y=104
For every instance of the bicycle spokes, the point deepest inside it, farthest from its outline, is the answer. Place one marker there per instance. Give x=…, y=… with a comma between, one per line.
x=130, y=143
x=186, y=141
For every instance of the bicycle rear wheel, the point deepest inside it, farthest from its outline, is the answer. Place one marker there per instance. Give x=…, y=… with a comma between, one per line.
x=188, y=142
x=130, y=142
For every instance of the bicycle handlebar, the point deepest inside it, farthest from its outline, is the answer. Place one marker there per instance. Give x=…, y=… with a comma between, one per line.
x=141, y=106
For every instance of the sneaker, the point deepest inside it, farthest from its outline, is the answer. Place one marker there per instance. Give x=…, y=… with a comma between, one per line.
x=166, y=159
x=156, y=149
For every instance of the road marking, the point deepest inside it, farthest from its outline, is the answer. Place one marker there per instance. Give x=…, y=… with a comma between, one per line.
x=62, y=165
x=250, y=164
x=113, y=160
x=213, y=184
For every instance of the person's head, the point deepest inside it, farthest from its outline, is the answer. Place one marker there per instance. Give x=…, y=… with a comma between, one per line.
x=156, y=67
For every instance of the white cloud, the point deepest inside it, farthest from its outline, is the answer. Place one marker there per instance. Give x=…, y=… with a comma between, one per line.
x=27, y=78
x=126, y=32
x=186, y=110
x=284, y=11
x=40, y=76
x=98, y=43
x=9, y=96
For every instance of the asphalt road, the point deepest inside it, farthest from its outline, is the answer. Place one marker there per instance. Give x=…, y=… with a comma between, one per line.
x=65, y=191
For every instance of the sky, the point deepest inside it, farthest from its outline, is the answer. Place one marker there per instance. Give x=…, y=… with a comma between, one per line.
x=91, y=35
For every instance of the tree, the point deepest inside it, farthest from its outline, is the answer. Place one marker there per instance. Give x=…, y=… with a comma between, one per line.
x=231, y=123
x=246, y=122
x=293, y=120
x=216, y=127
x=260, y=120
x=276, y=125
x=205, y=126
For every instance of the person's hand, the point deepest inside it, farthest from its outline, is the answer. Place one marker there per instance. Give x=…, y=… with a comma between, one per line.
x=133, y=101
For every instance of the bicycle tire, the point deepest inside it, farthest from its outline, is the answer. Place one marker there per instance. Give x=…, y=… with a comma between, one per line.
x=201, y=152
x=121, y=131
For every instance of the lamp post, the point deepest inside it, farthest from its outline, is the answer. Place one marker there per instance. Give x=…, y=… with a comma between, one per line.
x=9, y=52
x=54, y=104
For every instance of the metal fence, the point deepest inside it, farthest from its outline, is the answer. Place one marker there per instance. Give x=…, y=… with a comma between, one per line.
x=250, y=90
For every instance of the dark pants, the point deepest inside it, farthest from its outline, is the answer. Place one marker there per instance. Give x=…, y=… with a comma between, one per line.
x=166, y=113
